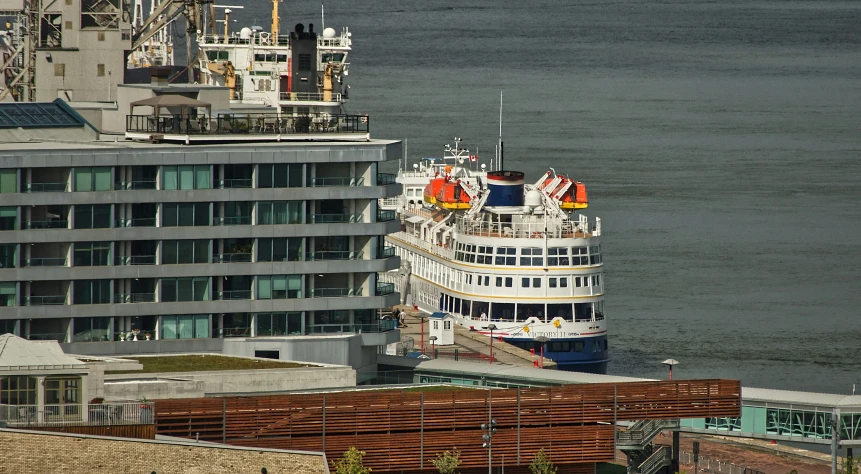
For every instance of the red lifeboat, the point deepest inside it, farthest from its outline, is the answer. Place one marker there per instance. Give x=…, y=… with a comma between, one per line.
x=433, y=188
x=574, y=197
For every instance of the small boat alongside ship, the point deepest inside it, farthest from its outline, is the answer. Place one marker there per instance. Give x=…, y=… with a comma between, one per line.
x=492, y=250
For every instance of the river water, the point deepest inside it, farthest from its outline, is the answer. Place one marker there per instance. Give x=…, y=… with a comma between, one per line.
x=720, y=142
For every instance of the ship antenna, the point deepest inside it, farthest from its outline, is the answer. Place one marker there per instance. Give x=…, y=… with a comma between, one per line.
x=323, y=16
x=500, y=130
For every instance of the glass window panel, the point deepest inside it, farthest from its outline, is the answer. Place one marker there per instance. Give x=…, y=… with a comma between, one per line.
x=264, y=176
x=81, y=292
x=83, y=254
x=186, y=177
x=101, y=253
x=201, y=289
x=185, y=251
x=102, y=178
x=201, y=251
x=201, y=177
x=201, y=325
x=185, y=326
x=294, y=250
x=169, y=252
x=264, y=287
x=101, y=216
x=295, y=174
x=168, y=327
x=83, y=179
x=168, y=289
x=279, y=283
x=264, y=250
x=9, y=181
x=280, y=176
x=186, y=214
x=170, y=177
x=201, y=214
x=169, y=215
x=184, y=289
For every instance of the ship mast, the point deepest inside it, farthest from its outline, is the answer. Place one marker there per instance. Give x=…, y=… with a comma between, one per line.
x=276, y=22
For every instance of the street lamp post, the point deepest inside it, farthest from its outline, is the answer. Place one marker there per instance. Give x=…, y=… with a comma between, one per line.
x=491, y=326
x=490, y=428
x=542, y=340
x=670, y=363
x=432, y=339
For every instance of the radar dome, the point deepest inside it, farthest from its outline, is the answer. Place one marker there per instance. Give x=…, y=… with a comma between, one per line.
x=329, y=33
x=533, y=199
x=245, y=33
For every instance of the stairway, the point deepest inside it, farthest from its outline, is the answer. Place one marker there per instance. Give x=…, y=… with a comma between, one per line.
x=660, y=458
x=636, y=443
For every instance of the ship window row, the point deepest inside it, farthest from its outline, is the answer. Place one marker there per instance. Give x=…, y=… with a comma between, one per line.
x=475, y=308
x=528, y=256
x=594, y=345
x=185, y=177
x=192, y=326
x=197, y=251
x=198, y=288
x=189, y=214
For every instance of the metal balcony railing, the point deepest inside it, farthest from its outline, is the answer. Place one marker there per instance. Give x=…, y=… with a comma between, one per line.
x=134, y=298
x=47, y=187
x=50, y=300
x=134, y=260
x=335, y=218
x=240, y=331
x=84, y=414
x=385, y=216
x=48, y=224
x=137, y=222
x=334, y=292
x=381, y=326
x=386, y=252
x=233, y=220
x=385, y=288
x=237, y=183
x=234, y=295
x=231, y=258
x=134, y=185
x=45, y=262
x=334, y=255
x=47, y=336
x=338, y=181
x=659, y=459
x=252, y=124
x=308, y=97
x=385, y=179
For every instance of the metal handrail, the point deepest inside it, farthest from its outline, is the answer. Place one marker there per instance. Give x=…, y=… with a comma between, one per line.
x=48, y=224
x=134, y=298
x=46, y=262
x=385, y=179
x=335, y=218
x=134, y=260
x=308, y=97
x=234, y=295
x=47, y=187
x=83, y=414
x=333, y=255
x=134, y=185
x=233, y=220
x=237, y=183
x=258, y=124
x=47, y=300
x=337, y=181
x=334, y=292
x=659, y=459
x=231, y=258
x=385, y=289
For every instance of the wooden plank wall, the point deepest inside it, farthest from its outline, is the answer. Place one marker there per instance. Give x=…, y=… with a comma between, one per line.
x=404, y=430
x=118, y=431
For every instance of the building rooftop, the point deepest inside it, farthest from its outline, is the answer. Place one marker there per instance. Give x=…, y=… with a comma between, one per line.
x=17, y=353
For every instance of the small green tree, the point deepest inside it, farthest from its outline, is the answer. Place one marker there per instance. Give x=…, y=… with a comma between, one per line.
x=447, y=462
x=351, y=463
x=850, y=466
x=541, y=465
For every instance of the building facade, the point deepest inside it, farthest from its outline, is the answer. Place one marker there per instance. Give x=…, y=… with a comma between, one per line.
x=135, y=241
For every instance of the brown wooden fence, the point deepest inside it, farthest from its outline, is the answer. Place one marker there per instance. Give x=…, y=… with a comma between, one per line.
x=404, y=430
x=119, y=431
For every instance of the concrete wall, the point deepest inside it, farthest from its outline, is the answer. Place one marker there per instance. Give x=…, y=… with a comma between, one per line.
x=164, y=346
x=29, y=452
x=214, y=383
x=338, y=349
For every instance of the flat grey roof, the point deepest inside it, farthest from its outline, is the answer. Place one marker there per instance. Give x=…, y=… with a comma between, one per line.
x=129, y=144
x=524, y=373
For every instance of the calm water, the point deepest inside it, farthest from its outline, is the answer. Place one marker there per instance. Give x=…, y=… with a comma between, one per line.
x=720, y=142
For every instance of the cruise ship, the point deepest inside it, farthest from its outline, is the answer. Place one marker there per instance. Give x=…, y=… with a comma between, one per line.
x=503, y=256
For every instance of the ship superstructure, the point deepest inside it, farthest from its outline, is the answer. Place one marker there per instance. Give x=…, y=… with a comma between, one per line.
x=492, y=250
x=300, y=72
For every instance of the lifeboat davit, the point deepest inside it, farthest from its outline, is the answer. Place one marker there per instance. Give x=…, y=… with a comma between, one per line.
x=447, y=194
x=569, y=193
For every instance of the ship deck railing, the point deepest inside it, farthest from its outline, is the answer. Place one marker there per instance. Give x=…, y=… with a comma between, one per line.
x=529, y=230
x=309, y=97
x=438, y=250
x=248, y=124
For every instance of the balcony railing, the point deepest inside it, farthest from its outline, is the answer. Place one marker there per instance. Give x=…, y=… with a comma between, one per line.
x=334, y=292
x=234, y=220
x=231, y=258
x=134, y=185
x=241, y=331
x=234, y=295
x=138, y=222
x=47, y=187
x=47, y=336
x=335, y=181
x=51, y=300
x=45, y=262
x=335, y=218
x=240, y=124
x=309, y=97
x=385, y=216
x=381, y=326
x=386, y=252
x=385, y=288
x=134, y=298
x=385, y=179
x=49, y=224
x=334, y=255
x=135, y=260
x=235, y=183
x=86, y=414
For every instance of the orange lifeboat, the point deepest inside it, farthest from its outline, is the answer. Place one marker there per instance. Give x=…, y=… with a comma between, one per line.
x=453, y=196
x=574, y=197
x=433, y=188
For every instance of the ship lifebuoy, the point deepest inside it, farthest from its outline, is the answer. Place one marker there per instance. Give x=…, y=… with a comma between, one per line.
x=364, y=119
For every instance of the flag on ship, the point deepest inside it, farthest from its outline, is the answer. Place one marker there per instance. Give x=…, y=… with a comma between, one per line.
x=473, y=157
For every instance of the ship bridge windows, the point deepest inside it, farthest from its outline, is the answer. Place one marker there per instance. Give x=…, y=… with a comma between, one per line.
x=333, y=57
x=531, y=257
x=270, y=58
x=595, y=255
x=485, y=255
x=217, y=55
x=535, y=282
x=580, y=255
x=506, y=256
